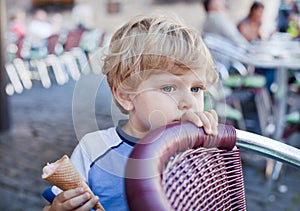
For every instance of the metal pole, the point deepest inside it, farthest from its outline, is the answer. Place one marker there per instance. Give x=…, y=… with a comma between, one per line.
x=4, y=114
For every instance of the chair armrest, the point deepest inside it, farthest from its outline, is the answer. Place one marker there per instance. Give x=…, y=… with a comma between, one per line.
x=268, y=147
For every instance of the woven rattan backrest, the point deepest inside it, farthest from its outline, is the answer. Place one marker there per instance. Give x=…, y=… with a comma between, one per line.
x=180, y=168
x=204, y=179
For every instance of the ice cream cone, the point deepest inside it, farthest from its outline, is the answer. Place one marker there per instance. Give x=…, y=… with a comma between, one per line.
x=66, y=177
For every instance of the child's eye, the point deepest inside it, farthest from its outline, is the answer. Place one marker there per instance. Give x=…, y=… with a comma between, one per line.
x=196, y=89
x=168, y=88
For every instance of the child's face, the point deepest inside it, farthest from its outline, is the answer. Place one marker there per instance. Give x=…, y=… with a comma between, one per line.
x=163, y=98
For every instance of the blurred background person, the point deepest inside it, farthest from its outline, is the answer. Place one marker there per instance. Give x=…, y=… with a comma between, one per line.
x=293, y=25
x=286, y=9
x=218, y=22
x=250, y=26
x=39, y=29
x=83, y=16
x=288, y=18
x=17, y=25
x=16, y=32
x=57, y=22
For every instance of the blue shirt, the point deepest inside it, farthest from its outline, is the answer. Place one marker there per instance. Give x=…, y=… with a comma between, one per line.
x=106, y=175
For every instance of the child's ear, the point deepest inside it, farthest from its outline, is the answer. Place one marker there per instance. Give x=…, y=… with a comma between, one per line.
x=123, y=99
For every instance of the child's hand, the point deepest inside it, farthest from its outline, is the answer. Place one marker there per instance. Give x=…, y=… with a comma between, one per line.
x=207, y=119
x=74, y=199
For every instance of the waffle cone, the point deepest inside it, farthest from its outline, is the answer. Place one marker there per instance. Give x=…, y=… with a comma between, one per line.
x=66, y=177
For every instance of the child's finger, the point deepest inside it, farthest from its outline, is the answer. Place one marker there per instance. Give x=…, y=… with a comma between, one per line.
x=78, y=201
x=192, y=117
x=70, y=199
x=213, y=121
x=89, y=204
x=214, y=115
x=68, y=194
x=206, y=122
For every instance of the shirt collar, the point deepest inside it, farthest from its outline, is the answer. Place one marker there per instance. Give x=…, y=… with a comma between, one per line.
x=124, y=136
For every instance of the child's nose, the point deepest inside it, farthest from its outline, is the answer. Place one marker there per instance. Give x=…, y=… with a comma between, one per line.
x=185, y=102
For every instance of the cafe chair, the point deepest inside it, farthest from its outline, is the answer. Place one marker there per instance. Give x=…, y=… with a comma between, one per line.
x=73, y=39
x=15, y=84
x=179, y=167
x=226, y=103
x=91, y=40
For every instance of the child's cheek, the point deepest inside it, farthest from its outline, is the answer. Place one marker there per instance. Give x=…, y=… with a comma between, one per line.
x=157, y=119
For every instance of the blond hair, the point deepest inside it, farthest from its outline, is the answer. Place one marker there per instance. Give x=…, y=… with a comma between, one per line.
x=149, y=44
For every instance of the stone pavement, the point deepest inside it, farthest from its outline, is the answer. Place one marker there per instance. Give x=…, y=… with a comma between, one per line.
x=41, y=131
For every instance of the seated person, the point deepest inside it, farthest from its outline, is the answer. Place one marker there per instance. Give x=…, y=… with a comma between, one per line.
x=218, y=22
x=249, y=27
